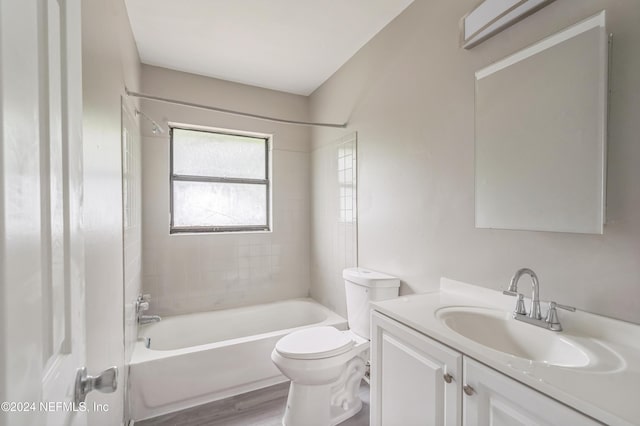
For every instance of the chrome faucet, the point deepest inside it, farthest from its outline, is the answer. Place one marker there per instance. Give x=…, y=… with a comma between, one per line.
x=535, y=296
x=551, y=321
x=142, y=304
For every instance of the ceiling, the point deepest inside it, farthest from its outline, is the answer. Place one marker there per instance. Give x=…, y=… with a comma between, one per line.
x=287, y=45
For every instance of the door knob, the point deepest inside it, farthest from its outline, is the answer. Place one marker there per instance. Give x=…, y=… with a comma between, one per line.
x=468, y=390
x=105, y=382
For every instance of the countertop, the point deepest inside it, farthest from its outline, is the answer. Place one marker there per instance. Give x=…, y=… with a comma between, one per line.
x=608, y=389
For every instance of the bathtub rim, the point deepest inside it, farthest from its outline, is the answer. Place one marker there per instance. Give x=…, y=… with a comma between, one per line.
x=142, y=354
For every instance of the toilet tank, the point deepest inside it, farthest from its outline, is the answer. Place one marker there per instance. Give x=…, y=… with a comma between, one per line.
x=363, y=286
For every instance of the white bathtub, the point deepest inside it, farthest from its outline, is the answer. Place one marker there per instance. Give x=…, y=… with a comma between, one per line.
x=198, y=358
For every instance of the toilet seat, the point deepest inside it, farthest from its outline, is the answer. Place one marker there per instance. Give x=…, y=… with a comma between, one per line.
x=314, y=343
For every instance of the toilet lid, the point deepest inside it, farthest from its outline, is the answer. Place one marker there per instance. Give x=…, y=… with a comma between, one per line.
x=314, y=343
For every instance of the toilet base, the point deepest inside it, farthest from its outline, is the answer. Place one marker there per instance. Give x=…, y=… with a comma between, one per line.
x=339, y=415
x=329, y=404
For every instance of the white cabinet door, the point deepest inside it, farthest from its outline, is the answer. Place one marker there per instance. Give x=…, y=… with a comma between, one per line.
x=497, y=400
x=408, y=382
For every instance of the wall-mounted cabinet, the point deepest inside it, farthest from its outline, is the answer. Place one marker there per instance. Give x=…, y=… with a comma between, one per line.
x=540, y=125
x=416, y=380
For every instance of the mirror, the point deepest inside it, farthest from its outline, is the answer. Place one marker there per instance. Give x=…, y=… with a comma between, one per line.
x=540, y=134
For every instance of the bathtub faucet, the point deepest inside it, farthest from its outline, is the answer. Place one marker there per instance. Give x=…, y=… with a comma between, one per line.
x=142, y=304
x=146, y=319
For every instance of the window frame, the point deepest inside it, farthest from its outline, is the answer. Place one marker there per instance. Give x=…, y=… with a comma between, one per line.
x=209, y=179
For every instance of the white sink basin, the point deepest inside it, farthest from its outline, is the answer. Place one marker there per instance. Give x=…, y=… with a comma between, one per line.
x=497, y=330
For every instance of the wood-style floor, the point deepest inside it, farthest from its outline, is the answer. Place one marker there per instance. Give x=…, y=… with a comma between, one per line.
x=264, y=407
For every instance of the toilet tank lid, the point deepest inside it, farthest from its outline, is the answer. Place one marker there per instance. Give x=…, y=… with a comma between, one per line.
x=368, y=278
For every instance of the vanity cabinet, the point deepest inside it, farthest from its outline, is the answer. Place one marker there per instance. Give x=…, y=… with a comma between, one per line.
x=491, y=398
x=414, y=379
x=417, y=381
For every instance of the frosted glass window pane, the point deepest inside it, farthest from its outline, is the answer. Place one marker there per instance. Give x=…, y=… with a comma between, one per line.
x=219, y=204
x=218, y=155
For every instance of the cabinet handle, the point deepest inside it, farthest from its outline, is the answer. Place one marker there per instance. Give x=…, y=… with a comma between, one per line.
x=468, y=390
x=448, y=377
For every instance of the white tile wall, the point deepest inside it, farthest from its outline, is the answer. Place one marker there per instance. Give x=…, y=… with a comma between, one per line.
x=347, y=222
x=132, y=226
x=132, y=229
x=334, y=219
x=191, y=273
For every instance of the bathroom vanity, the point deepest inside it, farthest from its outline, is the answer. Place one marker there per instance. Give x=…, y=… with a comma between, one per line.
x=457, y=357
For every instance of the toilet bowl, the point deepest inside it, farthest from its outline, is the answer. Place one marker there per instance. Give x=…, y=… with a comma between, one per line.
x=326, y=365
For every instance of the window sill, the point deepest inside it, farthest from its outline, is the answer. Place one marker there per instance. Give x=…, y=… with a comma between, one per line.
x=172, y=234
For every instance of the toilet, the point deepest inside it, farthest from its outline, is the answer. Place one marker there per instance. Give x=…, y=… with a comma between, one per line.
x=326, y=365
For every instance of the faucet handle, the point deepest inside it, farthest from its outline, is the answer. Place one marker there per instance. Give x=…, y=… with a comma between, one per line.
x=520, y=309
x=142, y=302
x=553, y=323
x=565, y=307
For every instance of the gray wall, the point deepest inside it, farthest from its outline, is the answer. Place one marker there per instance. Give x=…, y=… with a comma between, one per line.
x=110, y=61
x=409, y=93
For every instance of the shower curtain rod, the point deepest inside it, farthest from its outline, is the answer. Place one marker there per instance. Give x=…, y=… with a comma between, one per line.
x=156, y=128
x=228, y=111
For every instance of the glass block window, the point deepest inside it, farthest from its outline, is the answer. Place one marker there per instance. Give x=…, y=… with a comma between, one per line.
x=219, y=181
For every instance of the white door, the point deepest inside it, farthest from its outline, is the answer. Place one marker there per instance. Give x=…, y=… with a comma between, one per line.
x=492, y=398
x=415, y=381
x=42, y=336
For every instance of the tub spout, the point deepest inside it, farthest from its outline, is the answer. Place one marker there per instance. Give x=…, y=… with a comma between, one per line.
x=146, y=319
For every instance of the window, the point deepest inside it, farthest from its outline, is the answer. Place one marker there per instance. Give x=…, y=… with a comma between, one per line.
x=219, y=181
